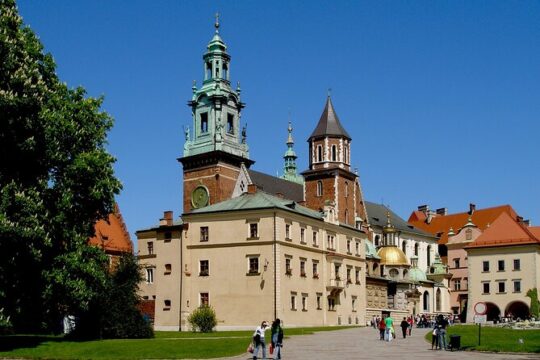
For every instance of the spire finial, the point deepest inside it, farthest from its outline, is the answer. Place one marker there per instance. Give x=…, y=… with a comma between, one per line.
x=216, y=25
x=329, y=92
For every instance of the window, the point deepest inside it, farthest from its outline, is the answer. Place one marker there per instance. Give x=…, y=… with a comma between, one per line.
x=253, y=230
x=330, y=242
x=425, y=301
x=357, y=249
x=304, y=302
x=150, y=248
x=348, y=246
x=204, y=233
x=457, y=284
x=204, y=268
x=416, y=247
x=167, y=304
x=204, y=299
x=319, y=188
x=346, y=189
x=253, y=265
x=456, y=263
x=293, y=301
x=230, y=124
x=204, y=123
x=149, y=275
x=428, y=255
x=168, y=236
x=288, y=269
x=517, y=264
x=303, y=268
x=357, y=275
x=353, y=304
x=331, y=304
x=319, y=153
x=485, y=266
x=404, y=247
x=208, y=72
x=315, y=239
x=502, y=287
x=468, y=234
x=337, y=267
x=225, y=72
x=517, y=286
x=501, y=265
x=302, y=235
x=485, y=288
x=349, y=278
x=315, y=270
x=377, y=240
x=334, y=153
x=319, y=305
x=287, y=232
x=168, y=269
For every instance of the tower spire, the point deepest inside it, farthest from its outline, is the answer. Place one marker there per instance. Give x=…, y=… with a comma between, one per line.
x=289, y=169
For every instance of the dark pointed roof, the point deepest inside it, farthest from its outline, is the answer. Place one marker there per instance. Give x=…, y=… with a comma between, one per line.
x=329, y=123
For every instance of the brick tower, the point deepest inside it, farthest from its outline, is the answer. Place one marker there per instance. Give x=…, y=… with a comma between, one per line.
x=329, y=180
x=216, y=149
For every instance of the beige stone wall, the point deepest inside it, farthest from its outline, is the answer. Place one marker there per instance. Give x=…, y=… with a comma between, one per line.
x=243, y=300
x=528, y=275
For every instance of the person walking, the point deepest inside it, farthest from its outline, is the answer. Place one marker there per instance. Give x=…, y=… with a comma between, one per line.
x=442, y=324
x=389, y=329
x=410, y=320
x=404, y=326
x=259, y=341
x=277, y=338
x=435, y=337
x=382, y=328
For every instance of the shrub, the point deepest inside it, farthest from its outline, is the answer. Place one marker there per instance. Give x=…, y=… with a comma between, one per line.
x=203, y=319
x=5, y=323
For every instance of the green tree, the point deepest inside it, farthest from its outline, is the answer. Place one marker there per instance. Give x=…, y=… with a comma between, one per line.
x=56, y=181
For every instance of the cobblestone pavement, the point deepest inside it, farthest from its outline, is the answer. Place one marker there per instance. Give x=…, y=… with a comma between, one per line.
x=364, y=343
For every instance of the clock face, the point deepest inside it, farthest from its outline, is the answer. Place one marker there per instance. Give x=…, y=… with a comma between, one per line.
x=199, y=197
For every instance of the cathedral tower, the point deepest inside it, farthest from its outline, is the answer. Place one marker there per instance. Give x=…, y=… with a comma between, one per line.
x=329, y=180
x=216, y=148
x=289, y=169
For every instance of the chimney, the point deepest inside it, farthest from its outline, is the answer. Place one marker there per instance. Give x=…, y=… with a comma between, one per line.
x=520, y=219
x=167, y=219
x=527, y=222
x=442, y=211
x=424, y=209
x=472, y=208
x=252, y=189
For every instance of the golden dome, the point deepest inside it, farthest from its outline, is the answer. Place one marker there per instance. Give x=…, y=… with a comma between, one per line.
x=391, y=255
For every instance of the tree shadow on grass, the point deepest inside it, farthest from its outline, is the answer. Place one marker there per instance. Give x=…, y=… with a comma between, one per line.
x=12, y=342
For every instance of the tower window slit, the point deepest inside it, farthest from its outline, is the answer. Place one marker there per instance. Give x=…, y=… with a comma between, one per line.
x=230, y=123
x=204, y=123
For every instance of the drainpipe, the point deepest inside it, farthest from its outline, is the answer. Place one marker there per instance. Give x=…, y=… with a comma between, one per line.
x=181, y=279
x=275, y=269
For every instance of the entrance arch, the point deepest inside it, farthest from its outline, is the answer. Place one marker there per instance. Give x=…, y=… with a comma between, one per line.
x=492, y=312
x=517, y=309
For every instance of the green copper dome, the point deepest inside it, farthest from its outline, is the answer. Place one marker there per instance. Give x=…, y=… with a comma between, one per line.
x=417, y=275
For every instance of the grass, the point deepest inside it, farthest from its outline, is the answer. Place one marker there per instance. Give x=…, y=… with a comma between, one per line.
x=494, y=339
x=165, y=345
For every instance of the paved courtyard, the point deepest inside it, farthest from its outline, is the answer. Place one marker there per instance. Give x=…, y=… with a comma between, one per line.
x=364, y=343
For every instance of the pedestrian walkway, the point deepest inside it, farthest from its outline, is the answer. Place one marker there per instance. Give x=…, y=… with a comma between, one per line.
x=364, y=343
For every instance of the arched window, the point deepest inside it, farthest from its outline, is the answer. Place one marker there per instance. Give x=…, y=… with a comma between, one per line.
x=334, y=153
x=438, y=300
x=404, y=247
x=346, y=216
x=377, y=239
x=345, y=155
x=416, y=249
x=319, y=153
x=428, y=255
x=425, y=301
x=319, y=188
x=346, y=189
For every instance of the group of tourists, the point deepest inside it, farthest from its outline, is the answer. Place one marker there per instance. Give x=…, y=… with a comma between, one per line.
x=259, y=341
x=386, y=327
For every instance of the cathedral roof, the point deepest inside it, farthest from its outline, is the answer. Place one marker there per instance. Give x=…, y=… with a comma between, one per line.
x=274, y=185
x=329, y=123
x=111, y=234
x=377, y=217
x=258, y=200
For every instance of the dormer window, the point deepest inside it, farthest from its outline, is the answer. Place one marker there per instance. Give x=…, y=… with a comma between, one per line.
x=230, y=124
x=204, y=123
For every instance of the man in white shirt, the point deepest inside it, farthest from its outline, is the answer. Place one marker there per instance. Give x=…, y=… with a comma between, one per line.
x=258, y=340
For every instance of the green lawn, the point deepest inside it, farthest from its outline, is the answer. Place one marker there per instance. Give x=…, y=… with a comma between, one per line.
x=495, y=339
x=166, y=345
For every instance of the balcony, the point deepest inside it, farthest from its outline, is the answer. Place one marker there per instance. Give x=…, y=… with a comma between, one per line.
x=335, y=286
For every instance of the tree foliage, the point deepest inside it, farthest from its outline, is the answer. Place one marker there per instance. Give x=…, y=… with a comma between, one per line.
x=56, y=181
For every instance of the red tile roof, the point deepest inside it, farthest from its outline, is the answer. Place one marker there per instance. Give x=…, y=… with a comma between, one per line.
x=440, y=224
x=112, y=234
x=505, y=231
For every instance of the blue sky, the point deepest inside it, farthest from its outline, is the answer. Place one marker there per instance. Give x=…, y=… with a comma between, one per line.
x=441, y=98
